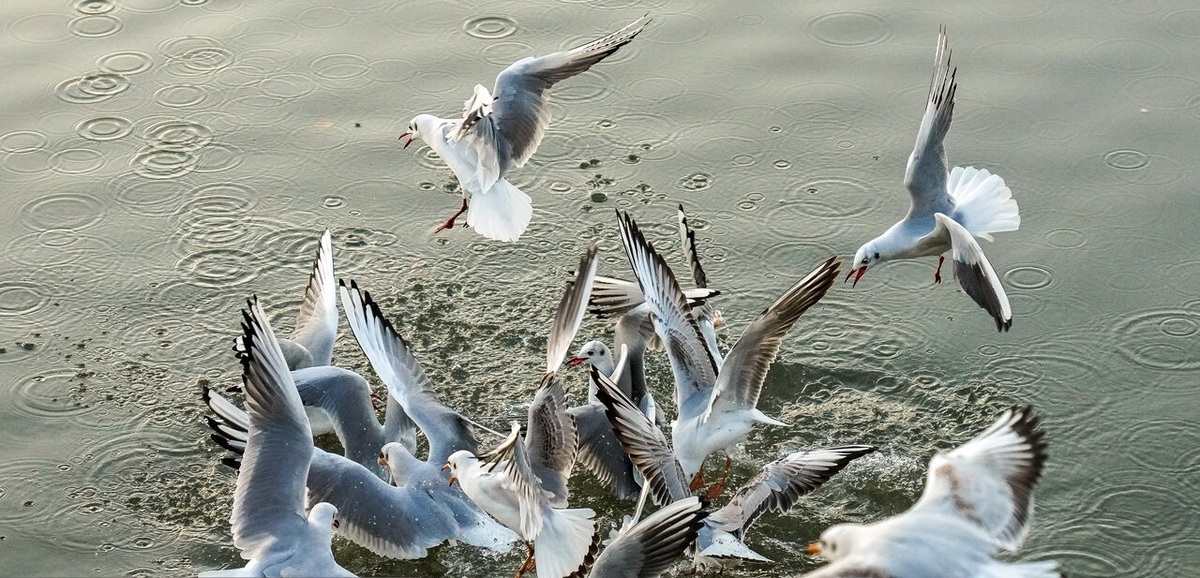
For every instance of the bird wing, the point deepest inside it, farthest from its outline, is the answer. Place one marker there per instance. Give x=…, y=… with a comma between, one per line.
x=989, y=480
x=643, y=442
x=974, y=272
x=317, y=322
x=925, y=175
x=393, y=362
x=601, y=453
x=780, y=484
x=518, y=477
x=268, y=502
x=519, y=114
x=740, y=381
x=654, y=544
x=571, y=309
x=693, y=366
x=552, y=439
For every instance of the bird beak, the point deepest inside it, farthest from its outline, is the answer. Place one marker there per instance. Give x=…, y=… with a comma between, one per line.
x=452, y=478
x=410, y=138
x=575, y=361
x=857, y=273
x=813, y=549
x=382, y=461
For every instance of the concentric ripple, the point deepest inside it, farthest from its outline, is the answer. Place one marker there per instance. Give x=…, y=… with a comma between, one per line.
x=91, y=88
x=73, y=211
x=1161, y=339
x=850, y=29
x=490, y=27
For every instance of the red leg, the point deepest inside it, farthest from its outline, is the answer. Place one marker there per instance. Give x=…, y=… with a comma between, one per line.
x=529, y=564
x=937, y=275
x=697, y=480
x=449, y=224
x=715, y=491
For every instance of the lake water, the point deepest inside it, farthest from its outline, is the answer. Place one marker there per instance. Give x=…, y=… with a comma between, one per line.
x=161, y=160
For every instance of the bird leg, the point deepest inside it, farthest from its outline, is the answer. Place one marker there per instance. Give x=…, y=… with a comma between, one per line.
x=529, y=564
x=449, y=224
x=715, y=491
x=937, y=275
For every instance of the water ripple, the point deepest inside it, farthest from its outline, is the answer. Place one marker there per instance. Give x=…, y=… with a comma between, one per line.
x=126, y=62
x=1161, y=339
x=62, y=211
x=23, y=141
x=490, y=27
x=104, y=128
x=91, y=88
x=95, y=26
x=849, y=29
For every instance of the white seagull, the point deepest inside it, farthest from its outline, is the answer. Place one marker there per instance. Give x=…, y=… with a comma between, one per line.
x=949, y=208
x=504, y=485
x=717, y=406
x=502, y=129
x=269, y=522
x=649, y=548
x=978, y=500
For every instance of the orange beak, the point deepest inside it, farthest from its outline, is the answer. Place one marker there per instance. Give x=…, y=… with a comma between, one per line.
x=575, y=361
x=813, y=549
x=382, y=461
x=410, y=138
x=452, y=478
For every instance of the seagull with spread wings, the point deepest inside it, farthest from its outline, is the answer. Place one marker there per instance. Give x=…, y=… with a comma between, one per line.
x=500, y=130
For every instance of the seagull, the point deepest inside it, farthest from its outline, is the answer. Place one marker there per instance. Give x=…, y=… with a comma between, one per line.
x=647, y=549
x=949, y=209
x=502, y=129
x=978, y=499
x=775, y=489
x=268, y=519
x=412, y=508
x=717, y=406
x=503, y=484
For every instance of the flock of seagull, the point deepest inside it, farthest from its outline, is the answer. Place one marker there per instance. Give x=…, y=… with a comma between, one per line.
x=398, y=498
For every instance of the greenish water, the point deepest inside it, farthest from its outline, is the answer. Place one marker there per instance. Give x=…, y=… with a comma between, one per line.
x=161, y=160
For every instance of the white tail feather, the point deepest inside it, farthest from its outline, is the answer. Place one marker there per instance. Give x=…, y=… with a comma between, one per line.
x=983, y=203
x=1045, y=569
x=564, y=541
x=501, y=213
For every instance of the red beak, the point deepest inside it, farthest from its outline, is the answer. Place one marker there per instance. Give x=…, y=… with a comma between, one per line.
x=576, y=361
x=857, y=273
x=410, y=138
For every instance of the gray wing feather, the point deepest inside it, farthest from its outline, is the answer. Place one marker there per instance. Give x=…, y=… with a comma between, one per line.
x=693, y=366
x=601, y=453
x=269, y=499
x=654, y=544
x=926, y=173
x=780, y=484
x=316, y=324
x=446, y=430
x=519, y=112
x=740, y=381
x=570, y=311
x=399, y=522
x=643, y=442
x=552, y=439
x=974, y=272
x=511, y=457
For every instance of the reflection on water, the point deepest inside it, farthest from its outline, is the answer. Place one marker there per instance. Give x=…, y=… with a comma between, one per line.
x=163, y=159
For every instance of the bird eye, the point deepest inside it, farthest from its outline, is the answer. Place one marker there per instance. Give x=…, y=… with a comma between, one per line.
x=590, y=352
x=381, y=455
x=866, y=260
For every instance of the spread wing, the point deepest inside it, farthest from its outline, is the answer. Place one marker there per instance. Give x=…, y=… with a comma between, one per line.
x=570, y=311
x=654, y=544
x=643, y=442
x=316, y=324
x=694, y=368
x=740, y=381
x=269, y=500
x=989, y=480
x=974, y=272
x=552, y=439
x=925, y=176
x=444, y=428
x=519, y=114
x=513, y=461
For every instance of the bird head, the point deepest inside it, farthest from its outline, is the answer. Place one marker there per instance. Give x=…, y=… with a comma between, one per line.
x=866, y=256
x=836, y=542
x=591, y=353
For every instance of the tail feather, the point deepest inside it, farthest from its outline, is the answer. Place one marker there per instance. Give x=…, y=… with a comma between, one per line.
x=1043, y=569
x=565, y=542
x=983, y=203
x=502, y=212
